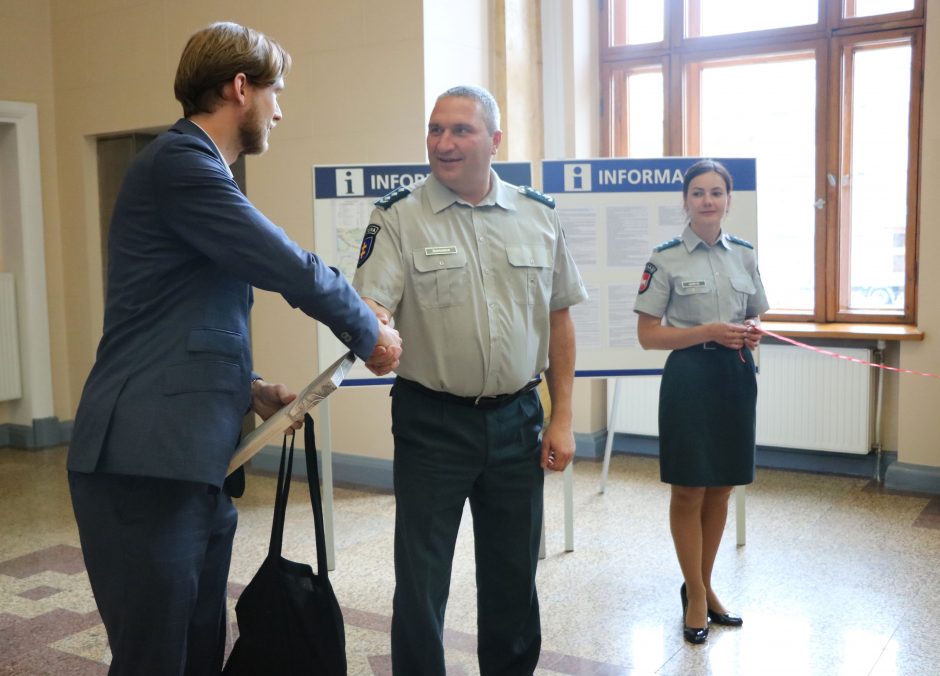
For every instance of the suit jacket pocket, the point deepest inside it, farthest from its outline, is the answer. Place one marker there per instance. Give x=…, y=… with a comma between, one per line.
x=202, y=376
x=219, y=341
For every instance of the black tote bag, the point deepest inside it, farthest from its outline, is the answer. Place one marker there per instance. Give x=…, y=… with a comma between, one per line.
x=289, y=621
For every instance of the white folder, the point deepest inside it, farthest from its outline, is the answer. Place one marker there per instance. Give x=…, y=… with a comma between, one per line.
x=318, y=390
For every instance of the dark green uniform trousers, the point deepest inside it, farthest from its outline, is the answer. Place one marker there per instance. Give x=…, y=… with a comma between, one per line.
x=446, y=452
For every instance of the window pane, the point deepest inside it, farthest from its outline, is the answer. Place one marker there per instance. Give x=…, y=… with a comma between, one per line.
x=722, y=17
x=767, y=110
x=877, y=178
x=645, y=114
x=638, y=22
x=874, y=7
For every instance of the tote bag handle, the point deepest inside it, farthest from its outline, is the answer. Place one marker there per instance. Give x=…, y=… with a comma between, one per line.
x=283, y=491
x=313, y=482
x=280, y=497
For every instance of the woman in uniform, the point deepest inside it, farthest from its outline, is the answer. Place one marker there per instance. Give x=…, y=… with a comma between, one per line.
x=700, y=297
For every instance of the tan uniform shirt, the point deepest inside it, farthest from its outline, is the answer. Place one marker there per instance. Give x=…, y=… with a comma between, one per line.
x=691, y=283
x=471, y=287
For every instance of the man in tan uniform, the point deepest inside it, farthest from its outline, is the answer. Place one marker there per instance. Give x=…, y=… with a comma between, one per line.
x=478, y=278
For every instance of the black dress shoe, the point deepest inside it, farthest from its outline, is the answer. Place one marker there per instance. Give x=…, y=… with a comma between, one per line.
x=695, y=635
x=724, y=619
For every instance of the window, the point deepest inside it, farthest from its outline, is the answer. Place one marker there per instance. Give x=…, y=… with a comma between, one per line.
x=875, y=7
x=637, y=22
x=773, y=99
x=725, y=17
x=637, y=129
x=823, y=93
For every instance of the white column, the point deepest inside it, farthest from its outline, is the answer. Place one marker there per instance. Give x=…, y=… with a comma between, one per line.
x=570, y=79
x=21, y=231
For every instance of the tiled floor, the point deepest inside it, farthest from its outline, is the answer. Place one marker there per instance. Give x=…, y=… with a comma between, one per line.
x=837, y=577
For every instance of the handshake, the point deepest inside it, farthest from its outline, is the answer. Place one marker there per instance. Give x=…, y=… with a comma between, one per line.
x=384, y=358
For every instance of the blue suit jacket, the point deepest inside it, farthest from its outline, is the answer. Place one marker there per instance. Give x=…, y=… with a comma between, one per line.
x=171, y=381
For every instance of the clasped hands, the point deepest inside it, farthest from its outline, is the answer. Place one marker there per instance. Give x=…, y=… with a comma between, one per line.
x=385, y=356
x=737, y=336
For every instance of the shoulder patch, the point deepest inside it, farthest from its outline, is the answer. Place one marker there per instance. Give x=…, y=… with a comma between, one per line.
x=397, y=194
x=647, y=278
x=534, y=194
x=368, y=243
x=675, y=241
x=742, y=242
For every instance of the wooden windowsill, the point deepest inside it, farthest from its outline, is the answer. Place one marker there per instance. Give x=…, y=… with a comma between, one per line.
x=845, y=331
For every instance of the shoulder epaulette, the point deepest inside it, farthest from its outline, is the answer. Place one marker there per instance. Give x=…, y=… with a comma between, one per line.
x=742, y=242
x=534, y=194
x=675, y=241
x=397, y=194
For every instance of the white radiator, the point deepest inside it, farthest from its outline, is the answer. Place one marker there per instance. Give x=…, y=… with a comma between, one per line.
x=11, y=386
x=805, y=400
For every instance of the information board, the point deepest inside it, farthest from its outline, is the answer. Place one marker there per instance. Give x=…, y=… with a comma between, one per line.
x=614, y=211
x=343, y=199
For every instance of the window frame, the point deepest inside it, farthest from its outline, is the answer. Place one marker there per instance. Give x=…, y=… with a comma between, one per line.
x=615, y=130
x=677, y=55
x=838, y=237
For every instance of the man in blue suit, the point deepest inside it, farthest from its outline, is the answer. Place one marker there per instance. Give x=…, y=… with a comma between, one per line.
x=161, y=411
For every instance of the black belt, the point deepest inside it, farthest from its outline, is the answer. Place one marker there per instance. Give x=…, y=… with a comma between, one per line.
x=710, y=345
x=483, y=403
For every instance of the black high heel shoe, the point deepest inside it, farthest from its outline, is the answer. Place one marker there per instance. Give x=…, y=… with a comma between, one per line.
x=693, y=635
x=724, y=619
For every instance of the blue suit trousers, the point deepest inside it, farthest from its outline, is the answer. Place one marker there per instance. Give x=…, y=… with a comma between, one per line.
x=157, y=553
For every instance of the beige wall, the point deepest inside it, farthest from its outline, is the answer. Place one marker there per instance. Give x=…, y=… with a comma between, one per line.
x=918, y=410
x=26, y=76
x=365, y=73
x=355, y=94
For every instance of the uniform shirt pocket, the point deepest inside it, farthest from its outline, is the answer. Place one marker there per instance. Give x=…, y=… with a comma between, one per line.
x=440, y=280
x=743, y=285
x=692, y=300
x=742, y=289
x=531, y=273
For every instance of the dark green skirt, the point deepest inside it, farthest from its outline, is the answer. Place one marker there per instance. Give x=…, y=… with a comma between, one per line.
x=707, y=412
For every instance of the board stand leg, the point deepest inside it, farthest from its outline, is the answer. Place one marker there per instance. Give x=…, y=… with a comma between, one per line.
x=611, y=415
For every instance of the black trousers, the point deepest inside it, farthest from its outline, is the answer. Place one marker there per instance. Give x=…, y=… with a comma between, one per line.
x=157, y=553
x=445, y=454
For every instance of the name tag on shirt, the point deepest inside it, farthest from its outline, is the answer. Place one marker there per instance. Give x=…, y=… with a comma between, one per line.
x=439, y=250
x=690, y=285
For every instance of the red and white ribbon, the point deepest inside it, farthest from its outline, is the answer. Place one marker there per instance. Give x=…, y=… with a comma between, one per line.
x=830, y=353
